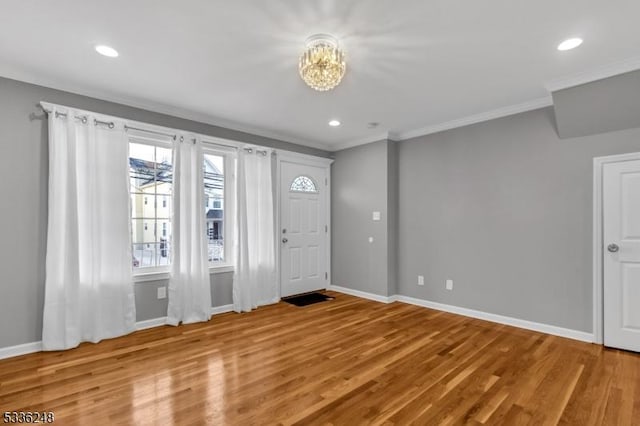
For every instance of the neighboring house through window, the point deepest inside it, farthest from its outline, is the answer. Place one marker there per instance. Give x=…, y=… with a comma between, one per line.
x=151, y=187
x=214, y=188
x=151, y=177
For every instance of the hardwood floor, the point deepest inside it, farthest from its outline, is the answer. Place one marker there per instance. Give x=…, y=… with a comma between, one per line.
x=345, y=362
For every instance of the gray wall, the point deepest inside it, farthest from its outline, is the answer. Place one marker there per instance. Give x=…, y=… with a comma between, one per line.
x=148, y=306
x=23, y=215
x=601, y=106
x=360, y=182
x=504, y=208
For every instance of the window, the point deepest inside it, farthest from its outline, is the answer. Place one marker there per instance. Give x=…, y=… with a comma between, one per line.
x=214, y=189
x=303, y=184
x=151, y=178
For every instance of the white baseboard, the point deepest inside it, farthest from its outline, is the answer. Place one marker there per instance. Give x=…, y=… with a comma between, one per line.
x=221, y=309
x=362, y=294
x=29, y=348
x=151, y=323
x=500, y=319
x=33, y=347
x=25, y=348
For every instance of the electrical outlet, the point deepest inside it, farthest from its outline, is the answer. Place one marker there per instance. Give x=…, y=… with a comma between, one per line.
x=449, y=285
x=162, y=292
x=370, y=240
x=420, y=279
x=376, y=216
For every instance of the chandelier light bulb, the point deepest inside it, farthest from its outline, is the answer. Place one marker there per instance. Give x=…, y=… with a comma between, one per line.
x=322, y=64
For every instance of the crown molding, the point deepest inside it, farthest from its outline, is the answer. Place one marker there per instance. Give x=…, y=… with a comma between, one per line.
x=599, y=73
x=478, y=118
x=448, y=125
x=611, y=70
x=363, y=141
x=157, y=107
x=620, y=67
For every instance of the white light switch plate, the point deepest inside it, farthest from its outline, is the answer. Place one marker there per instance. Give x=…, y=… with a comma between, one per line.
x=449, y=284
x=376, y=216
x=420, y=279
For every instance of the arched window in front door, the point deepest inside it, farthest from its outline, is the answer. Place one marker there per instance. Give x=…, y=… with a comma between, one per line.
x=303, y=184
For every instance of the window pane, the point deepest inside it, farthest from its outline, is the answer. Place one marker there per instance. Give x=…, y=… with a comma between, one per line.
x=164, y=156
x=164, y=170
x=214, y=202
x=151, y=177
x=163, y=252
x=164, y=230
x=163, y=208
x=140, y=232
x=144, y=254
x=141, y=165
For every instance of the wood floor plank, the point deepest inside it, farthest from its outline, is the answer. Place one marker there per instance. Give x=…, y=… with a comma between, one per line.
x=348, y=361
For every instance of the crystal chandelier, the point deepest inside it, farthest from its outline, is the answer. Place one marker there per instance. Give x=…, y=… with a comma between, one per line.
x=322, y=64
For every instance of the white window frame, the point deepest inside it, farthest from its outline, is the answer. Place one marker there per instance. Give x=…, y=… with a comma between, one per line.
x=151, y=273
x=157, y=135
x=228, y=205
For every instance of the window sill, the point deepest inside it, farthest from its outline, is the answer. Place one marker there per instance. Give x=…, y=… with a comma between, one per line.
x=220, y=269
x=150, y=276
x=164, y=275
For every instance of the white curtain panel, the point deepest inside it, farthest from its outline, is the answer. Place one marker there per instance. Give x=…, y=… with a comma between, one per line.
x=89, y=294
x=254, y=282
x=189, y=285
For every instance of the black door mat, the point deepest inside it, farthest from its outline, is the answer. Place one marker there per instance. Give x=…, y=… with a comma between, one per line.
x=307, y=299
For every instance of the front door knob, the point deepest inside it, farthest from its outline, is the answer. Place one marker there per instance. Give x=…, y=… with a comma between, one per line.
x=284, y=240
x=613, y=248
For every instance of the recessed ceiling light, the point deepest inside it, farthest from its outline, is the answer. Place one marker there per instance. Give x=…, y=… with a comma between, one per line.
x=107, y=51
x=334, y=123
x=569, y=44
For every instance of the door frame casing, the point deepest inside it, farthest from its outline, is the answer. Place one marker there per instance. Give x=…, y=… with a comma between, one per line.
x=305, y=160
x=598, y=239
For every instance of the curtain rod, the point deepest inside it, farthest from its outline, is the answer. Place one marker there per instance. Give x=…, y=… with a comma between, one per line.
x=249, y=150
x=262, y=152
x=111, y=125
x=82, y=118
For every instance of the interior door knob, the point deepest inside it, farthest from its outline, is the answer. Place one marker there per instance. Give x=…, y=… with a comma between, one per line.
x=613, y=248
x=284, y=240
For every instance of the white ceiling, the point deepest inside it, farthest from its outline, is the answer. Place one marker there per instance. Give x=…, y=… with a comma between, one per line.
x=411, y=64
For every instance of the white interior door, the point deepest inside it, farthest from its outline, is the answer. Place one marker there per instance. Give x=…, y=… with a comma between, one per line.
x=303, y=233
x=621, y=233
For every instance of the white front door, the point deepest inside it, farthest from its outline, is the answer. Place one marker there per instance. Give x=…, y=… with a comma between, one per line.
x=303, y=234
x=621, y=233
